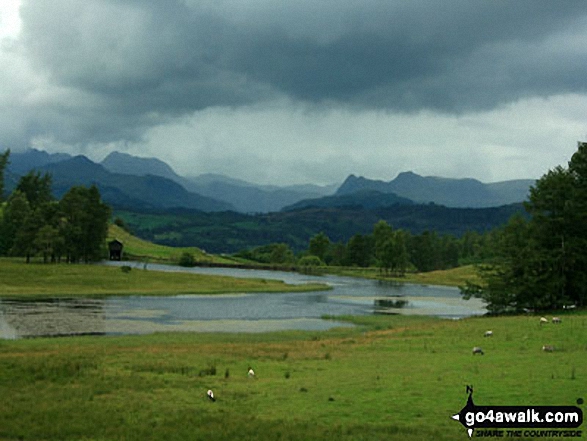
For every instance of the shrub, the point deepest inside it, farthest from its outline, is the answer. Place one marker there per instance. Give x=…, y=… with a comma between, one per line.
x=310, y=261
x=187, y=260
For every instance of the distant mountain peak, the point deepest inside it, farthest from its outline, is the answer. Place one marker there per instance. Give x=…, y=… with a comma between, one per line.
x=117, y=162
x=407, y=175
x=354, y=184
x=81, y=159
x=465, y=192
x=22, y=162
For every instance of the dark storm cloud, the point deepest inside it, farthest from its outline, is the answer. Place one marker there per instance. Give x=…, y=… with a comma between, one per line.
x=123, y=66
x=440, y=55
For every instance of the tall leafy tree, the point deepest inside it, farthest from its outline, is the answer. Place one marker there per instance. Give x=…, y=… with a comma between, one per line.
x=85, y=223
x=48, y=242
x=23, y=223
x=25, y=243
x=3, y=163
x=382, y=238
x=505, y=277
x=552, y=205
x=542, y=264
x=36, y=188
x=281, y=253
x=449, y=254
x=577, y=289
x=425, y=251
x=336, y=254
x=319, y=245
x=17, y=209
x=394, y=255
x=359, y=250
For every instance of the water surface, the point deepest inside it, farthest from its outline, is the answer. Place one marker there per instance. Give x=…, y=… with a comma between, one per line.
x=230, y=313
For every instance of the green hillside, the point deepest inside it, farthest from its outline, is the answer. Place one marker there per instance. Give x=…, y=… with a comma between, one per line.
x=139, y=249
x=34, y=281
x=229, y=232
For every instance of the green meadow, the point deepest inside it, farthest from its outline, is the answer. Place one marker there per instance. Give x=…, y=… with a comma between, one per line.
x=450, y=277
x=18, y=279
x=142, y=250
x=388, y=378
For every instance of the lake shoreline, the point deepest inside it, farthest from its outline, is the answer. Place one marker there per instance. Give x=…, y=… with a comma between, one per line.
x=37, y=280
x=294, y=308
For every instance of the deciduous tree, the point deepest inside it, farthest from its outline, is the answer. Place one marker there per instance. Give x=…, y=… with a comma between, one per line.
x=3, y=163
x=85, y=223
x=319, y=245
x=542, y=263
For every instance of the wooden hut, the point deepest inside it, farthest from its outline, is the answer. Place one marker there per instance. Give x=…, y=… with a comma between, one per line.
x=115, y=249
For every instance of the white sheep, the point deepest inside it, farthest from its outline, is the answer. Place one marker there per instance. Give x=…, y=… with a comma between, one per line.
x=488, y=334
x=251, y=372
x=543, y=320
x=477, y=350
x=556, y=320
x=210, y=395
x=548, y=348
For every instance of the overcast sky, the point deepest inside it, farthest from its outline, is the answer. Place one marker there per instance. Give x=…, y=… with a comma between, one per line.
x=299, y=91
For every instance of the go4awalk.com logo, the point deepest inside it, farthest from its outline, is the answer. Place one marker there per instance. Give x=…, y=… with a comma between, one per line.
x=520, y=421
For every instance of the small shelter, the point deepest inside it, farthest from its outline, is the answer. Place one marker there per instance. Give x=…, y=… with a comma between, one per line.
x=115, y=249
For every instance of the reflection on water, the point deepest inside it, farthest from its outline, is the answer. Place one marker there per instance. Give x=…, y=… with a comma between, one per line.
x=230, y=313
x=390, y=303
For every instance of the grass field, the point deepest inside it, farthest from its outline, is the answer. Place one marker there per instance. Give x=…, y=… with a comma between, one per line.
x=142, y=250
x=389, y=378
x=451, y=277
x=18, y=279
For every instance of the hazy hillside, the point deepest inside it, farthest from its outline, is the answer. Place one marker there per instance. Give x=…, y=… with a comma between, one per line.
x=127, y=180
x=209, y=192
x=21, y=163
x=241, y=195
x=228, y=232
x=126, y=190
x=123, y=163
x=250, y=198
x=362, y=198
x=443, y=191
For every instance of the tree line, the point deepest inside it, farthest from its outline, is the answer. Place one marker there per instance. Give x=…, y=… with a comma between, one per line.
x=540, y=262
x=33, y=223
x=393, y=251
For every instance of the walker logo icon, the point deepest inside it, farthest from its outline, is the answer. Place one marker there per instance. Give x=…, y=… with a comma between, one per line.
x=491, y=418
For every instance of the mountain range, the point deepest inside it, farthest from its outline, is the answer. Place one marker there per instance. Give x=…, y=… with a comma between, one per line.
x=131, y=182
x=455, y=193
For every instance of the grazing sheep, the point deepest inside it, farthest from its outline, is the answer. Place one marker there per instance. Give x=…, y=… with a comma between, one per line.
x=548, y=348
x=543, y=320
x=556, y=320
x=488, y=334
x=210, y=395
x=251, y=372
x=477, y=350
